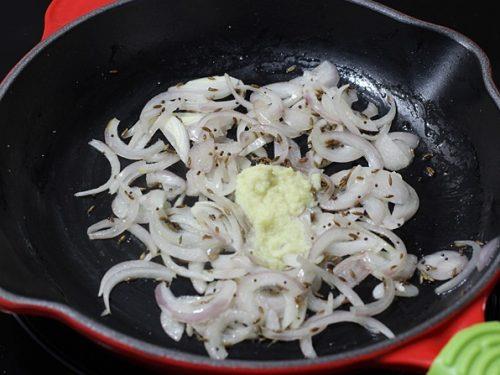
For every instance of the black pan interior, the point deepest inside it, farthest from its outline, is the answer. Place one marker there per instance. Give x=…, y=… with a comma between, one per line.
x=113, y=63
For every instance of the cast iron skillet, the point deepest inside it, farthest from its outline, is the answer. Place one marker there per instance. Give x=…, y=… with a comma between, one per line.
x=112, y=61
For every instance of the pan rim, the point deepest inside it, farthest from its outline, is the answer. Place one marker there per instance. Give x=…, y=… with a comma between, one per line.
x=120, y=341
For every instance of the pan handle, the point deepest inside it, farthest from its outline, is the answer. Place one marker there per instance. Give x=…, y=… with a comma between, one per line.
x=62, y=12
x=421, y=352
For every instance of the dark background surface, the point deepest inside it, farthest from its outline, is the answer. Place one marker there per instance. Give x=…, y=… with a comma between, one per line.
x=25, y=344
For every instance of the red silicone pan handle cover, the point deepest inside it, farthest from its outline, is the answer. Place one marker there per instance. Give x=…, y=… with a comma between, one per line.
x=417, y=354
x=61, y=12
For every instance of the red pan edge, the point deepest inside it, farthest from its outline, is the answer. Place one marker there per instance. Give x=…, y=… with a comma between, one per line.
x=417, y=352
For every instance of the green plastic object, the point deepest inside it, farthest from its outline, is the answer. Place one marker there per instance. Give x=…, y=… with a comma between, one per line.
x=472, y=351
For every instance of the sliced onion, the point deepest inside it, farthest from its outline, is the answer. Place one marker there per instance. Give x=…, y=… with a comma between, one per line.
x=116, y=144
x=322, y=107
x=402, y=290
x=326, y=239
x=333, y=280
x=204, y=129
x=370, y=153
x=411, y=140
x=390, y=187
x=199, y=285
x=252, y=284
x=209, y=105
x=172, y=327
x=143, y=235
x=160, y=237
x=298, y=119
x=172, y=184
x=353, y=269
x=154, y=200
x=201, y=156
x=269, y=109
x=324, y=75
x=210, y=87
x=403, y=212
x=189, y=118
x=487, y=253
x=371, y=110
x=394, y=155
x=442, y=265
x=183, y=271
x=376, y=209
x=280, y=141
x=133, y=269
x=307, y=348
x=109, y=228
x=380, y=305
x=113, y=162
x=342, y=249
x=135, y=170
x=239, y=98
x=289, y=92
x=358, y=186
x=310, y=329
x=354, y=122
x=175, y=132
x=215, y=345
x=408, y=268
x=468, y=269
x=196, y=309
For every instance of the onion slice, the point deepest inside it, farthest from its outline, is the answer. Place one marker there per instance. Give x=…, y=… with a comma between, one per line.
x=468, y=269
x=196, y=309
x=314, y=327
x=113, y=162
x=487, y=253
x=132, y=269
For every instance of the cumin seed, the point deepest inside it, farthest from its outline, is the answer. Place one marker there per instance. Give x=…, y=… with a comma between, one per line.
x=429, y=171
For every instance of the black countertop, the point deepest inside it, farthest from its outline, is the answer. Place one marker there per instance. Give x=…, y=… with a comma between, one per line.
x=33, y=345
